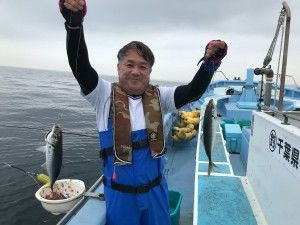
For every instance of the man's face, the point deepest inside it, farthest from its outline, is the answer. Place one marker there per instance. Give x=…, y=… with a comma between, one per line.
x=134, y=73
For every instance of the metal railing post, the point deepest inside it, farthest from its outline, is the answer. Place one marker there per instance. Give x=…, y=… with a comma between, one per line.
x=285, y=53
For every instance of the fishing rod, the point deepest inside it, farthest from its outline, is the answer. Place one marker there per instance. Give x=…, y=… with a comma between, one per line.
x=39, y=178
x=42, y=129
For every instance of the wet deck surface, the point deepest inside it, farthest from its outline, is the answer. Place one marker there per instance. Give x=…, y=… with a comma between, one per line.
x=221, y=197
x=222, y=200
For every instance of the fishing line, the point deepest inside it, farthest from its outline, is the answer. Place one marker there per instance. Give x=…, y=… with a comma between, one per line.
x=30, y=174
x=78, y=46
x=60, y=114
x=59, y=117
x=47, y=130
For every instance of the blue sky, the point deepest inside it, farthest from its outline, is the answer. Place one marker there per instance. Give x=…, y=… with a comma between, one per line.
x=32, y=34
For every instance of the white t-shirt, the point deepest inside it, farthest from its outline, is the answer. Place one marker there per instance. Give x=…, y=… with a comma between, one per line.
x=99, y=98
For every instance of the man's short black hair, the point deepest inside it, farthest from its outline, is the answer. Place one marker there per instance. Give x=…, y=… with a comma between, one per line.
x=141, y=49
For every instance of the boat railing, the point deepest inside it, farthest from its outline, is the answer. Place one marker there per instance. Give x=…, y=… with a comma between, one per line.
x=293, y=80
x=285, y=116
x=221, y=72
x=73, y=211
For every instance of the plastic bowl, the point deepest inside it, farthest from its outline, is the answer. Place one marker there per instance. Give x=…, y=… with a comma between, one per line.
x=70, y=188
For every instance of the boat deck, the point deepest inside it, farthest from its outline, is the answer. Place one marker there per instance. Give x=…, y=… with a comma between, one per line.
x=224, y=197
x=179, y=172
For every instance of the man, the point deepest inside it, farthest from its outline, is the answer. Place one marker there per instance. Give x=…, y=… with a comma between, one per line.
x=129, y=120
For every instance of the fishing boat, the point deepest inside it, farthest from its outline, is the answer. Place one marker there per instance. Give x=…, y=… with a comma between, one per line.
x=257, y=177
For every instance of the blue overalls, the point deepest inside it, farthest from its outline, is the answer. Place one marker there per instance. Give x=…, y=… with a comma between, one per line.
x=149, y=208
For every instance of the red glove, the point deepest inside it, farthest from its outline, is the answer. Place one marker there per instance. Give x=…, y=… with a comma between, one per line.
x=72, y=18
x=216, y=57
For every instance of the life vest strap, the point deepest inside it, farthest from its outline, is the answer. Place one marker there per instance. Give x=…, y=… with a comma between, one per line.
x=105, y=152
x=134, y=189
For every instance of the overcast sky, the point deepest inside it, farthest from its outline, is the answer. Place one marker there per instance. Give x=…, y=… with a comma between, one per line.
x=32, y=34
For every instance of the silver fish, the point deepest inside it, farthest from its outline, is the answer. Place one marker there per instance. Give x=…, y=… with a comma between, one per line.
x=54, y=153
x=209, y=131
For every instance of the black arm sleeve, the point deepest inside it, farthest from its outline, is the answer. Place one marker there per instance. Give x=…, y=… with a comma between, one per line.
x=79, y=62
x=193, y=91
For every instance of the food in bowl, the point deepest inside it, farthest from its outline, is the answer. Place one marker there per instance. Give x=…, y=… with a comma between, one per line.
x=66, y=193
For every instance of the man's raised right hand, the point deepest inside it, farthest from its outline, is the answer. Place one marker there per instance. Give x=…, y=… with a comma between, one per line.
x=73, y=11
x=73, y=5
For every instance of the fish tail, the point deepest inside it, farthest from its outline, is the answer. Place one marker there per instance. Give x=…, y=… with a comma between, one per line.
x=211, y=165
x=51, y=186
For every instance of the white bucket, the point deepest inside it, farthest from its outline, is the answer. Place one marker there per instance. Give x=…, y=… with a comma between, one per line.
x=70, y=188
